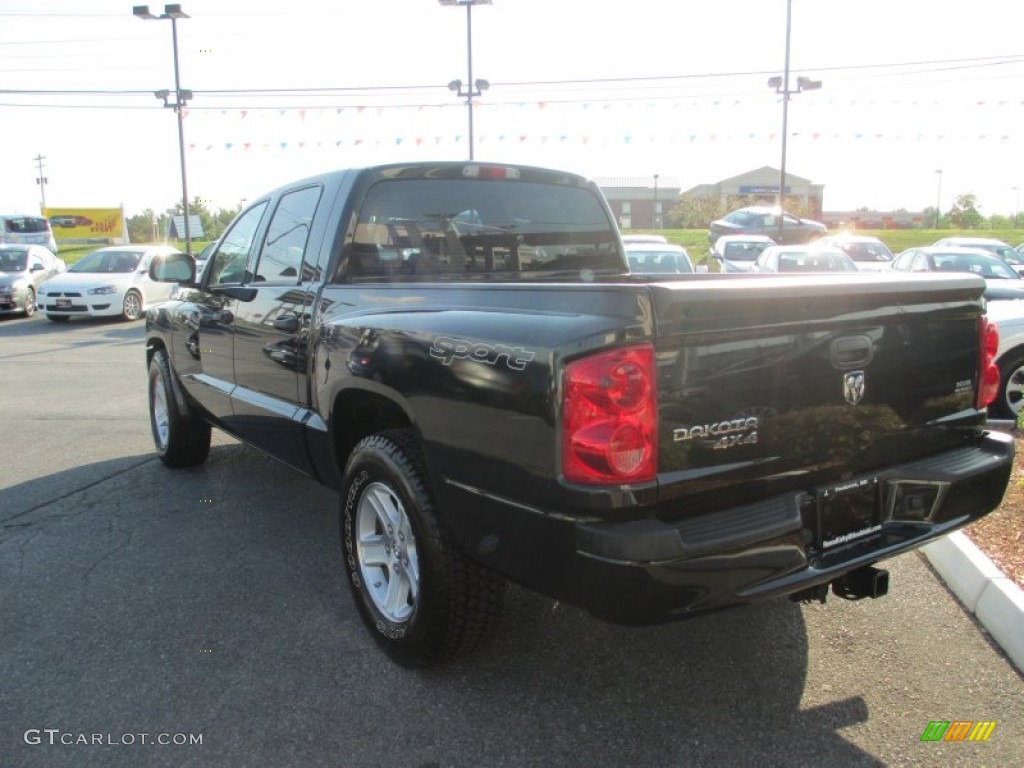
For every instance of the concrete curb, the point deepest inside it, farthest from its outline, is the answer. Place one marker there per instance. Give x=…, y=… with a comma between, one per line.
x=994, y=599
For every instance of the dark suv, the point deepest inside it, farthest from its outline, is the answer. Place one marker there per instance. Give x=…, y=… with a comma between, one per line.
x=764, y=220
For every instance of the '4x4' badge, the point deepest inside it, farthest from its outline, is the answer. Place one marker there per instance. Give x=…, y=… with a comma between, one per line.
x=853, y=387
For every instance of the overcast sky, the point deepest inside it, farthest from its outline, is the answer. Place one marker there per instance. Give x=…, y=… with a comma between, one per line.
x=625, y=90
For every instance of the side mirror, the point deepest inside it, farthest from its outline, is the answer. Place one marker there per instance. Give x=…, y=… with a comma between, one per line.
x=36, y=268
x=173, y=268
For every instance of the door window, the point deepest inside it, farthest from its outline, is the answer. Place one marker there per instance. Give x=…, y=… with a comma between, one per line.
x=228, y=261
x=280, y=260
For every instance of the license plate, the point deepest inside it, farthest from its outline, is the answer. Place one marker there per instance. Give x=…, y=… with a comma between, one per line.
x=848, y=514
x=63, y=303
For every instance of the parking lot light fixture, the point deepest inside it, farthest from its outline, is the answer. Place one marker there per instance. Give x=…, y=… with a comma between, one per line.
x=173, y=12
x=474, y=88
x=781, y=86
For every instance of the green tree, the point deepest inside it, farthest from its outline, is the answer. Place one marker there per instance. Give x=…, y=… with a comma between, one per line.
x=224, y=217
x=694, y=212
x=146, y=227
x=928, y=219
x=964, y=213
x=798, y=207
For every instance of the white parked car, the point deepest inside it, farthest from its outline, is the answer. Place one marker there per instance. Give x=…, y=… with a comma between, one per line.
x=109, y=282
x=802, y=258
x=644, y=239
x=991, y=244
x=737, y=253
x=658, y=259
x=869, y=253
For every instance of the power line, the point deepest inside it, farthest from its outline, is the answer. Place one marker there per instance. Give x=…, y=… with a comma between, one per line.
x=936, y=65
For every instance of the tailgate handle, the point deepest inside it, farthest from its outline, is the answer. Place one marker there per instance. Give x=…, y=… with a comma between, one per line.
x=852, y=352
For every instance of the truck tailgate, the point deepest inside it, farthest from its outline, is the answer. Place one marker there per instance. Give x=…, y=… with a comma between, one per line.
x=767, y=385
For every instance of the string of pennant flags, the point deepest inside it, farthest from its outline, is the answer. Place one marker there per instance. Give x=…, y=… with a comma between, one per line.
x=579, y=139
x=620, y=124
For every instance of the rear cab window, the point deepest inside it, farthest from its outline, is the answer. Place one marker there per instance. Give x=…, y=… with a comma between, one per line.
x=477, y=228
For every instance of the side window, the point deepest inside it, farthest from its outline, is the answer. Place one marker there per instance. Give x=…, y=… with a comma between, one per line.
x=228, y=261
x=280, y=259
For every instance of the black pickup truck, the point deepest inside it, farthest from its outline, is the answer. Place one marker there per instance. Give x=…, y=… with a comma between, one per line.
x=460, y=351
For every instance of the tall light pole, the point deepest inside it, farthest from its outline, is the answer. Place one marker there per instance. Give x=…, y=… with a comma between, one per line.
x=474, y=88
x=938, y=198
x=781, y=86
x=173, y=12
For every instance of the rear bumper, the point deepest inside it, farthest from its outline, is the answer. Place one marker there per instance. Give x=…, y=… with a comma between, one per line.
x=648, y=571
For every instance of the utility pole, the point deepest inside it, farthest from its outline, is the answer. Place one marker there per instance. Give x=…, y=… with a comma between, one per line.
x=41, y=181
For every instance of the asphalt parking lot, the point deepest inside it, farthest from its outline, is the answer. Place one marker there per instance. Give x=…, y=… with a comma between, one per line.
x=200, y=618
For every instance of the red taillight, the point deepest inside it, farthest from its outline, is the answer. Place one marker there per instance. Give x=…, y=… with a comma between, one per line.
x=988, y=373
x=609, y=418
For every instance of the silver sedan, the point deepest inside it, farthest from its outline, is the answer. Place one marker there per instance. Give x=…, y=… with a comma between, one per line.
x=22, y=269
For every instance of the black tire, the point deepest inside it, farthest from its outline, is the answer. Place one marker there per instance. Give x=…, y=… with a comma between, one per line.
x=30, y=302
x=131, y=308
x=181, y=439
x=1010, y=399
x=423, y=601
x=58, y=318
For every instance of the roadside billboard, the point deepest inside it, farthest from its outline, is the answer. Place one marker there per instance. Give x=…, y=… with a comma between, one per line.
x=86, y=223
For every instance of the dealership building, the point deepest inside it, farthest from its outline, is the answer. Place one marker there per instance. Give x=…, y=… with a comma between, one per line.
x=642, y=202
